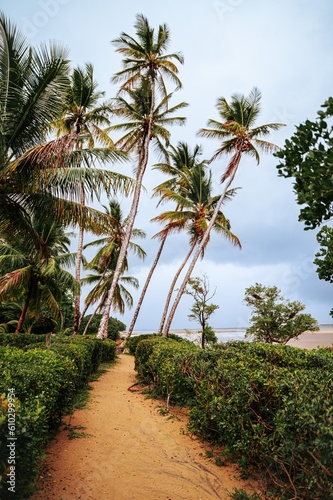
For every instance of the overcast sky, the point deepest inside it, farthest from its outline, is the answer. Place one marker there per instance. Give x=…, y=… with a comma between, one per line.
x=285, y=49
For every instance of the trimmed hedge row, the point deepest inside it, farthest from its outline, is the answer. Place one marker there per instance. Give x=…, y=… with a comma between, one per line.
x=132, y=342
x=44, y=382
x=271, y=407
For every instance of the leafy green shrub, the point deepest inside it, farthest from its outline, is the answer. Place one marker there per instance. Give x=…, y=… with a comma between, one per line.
x=132, y=342
x=20, y=339
x=271, y=415
x=170, y=363
x=143, y=348
x=41, y=374
x=109, y=351
x=19, y=458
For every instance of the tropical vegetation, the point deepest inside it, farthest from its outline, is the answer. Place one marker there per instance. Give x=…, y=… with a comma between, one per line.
x=270, y=406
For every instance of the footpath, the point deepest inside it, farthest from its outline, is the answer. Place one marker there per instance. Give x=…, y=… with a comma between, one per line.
x=130, y=451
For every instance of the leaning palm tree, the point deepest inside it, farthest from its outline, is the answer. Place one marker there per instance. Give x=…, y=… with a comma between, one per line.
x=180, y=158
x=106, y=258
x=239, y=136
x=197, y=208
x=148, y=124
x=86, y=116
x=36, y=174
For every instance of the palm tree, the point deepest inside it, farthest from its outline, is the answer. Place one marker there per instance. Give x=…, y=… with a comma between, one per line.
x=145, y=65
x=179, y=159
x=84, y=115
x=36, y=174
x=106, y=258
x=37, y=276
x=239, y=136
x=197, y=208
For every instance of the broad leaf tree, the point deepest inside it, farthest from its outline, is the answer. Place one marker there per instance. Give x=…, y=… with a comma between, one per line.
x=275, y=319
x=307, y=157
x=201, y=309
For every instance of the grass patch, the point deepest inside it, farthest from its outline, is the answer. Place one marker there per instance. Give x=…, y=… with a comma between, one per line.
x=75, y=431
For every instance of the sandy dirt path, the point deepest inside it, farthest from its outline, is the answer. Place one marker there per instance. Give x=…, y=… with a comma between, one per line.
x=133, y=452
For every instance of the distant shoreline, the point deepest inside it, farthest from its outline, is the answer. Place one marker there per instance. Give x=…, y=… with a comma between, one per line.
x=308, y=340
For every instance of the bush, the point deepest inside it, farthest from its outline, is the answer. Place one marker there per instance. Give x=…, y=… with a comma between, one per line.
x=20, y=461
x=20, y=339
x=271, y=407
x=45, y=381
x=275, y=416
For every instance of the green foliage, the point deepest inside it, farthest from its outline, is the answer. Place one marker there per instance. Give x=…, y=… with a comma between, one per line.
x=201, y=311
x=308, y=158
x=240, y=494
x=132, y=342
x=270, y=406
x=275, y=319
x=31, y=436
x=45, y=382
x=115, y=326
x=21, y=340
x=324, y=258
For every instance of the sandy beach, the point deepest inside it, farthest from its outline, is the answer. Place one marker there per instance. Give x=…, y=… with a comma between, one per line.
x=308, y=340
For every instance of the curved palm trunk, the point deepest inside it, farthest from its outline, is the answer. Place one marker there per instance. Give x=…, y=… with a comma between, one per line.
x=90, y=319
x=143, y=161
x=232, y=168
x=88, y=304
x=171, y=289
x=145, y=287
x=77, y=297
x=24, y=310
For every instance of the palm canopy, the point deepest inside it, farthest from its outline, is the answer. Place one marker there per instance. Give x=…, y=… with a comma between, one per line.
x=107, y=255
x=84, y=112
x=180, y=160
x=33, y=83
x=195, y=206
x=236, y=130
x=136, y=112
x=145, y=56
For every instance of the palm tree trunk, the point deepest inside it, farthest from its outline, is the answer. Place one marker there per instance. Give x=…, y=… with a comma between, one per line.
x=171, y=289
x=77, y=297
x=88, y=304
x=234, y=163
x=143, y=161
x=145, y=287
x=24, y=310
x=90, y=319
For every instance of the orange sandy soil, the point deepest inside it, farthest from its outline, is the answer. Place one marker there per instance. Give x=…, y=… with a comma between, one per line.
x=132, y=452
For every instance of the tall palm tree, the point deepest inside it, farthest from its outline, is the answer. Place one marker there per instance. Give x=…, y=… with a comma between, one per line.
x=105, y=261
x=145, y=65
x=84, y=115
x=239, y=136
x=180, y=158
x=197, y=208
x=34, y=171
x=37, y=276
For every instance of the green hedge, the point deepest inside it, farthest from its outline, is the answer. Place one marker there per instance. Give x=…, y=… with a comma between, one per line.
x=45, y=381
x=21, y=340
x=271, y=407
x=132, y=342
